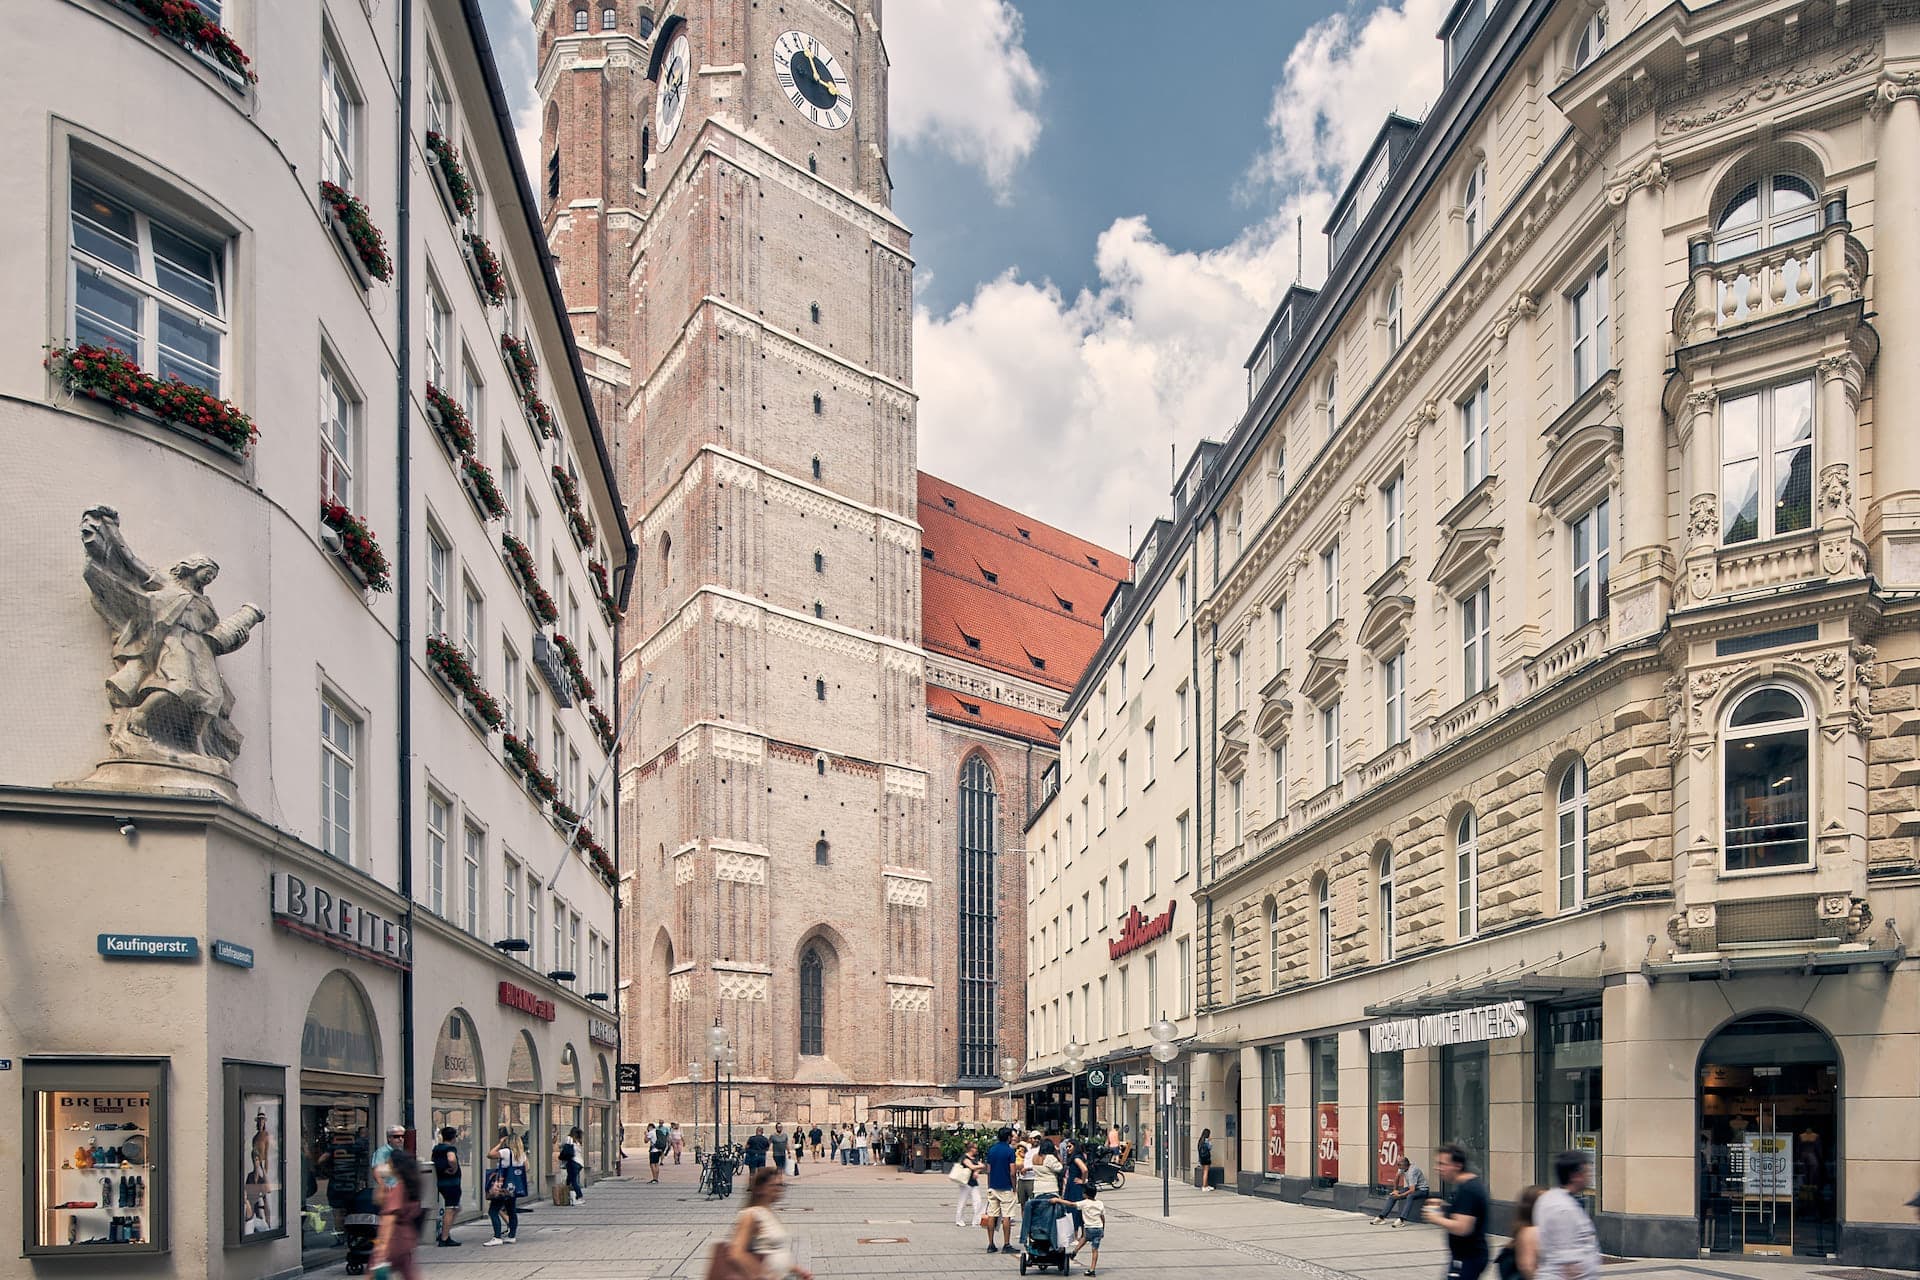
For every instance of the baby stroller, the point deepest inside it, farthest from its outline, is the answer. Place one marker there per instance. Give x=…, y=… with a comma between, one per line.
x=361, y=1223
x=1040, y=1223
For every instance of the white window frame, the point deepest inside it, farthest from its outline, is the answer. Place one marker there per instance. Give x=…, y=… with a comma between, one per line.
x=340, y=735
x=439, y=334
x=1589, y=545
x=339, y=112
x=1333, y=402
x=1183, y=825
x=1466, y=875
x=1393, y=519
x=1589, y=322
x=1235, y=664
x=1473, y=203
x=339, y=435
x=1395, y=316
x=1330, y=581
x=439, y=818
x=1570, y=836
x=1277, y=615
x=473, y=857
x=1323, y=927
x=1592, y=40
x=1330, y=742
x=1767, y=458
x=1476, y=443
x=1277, y=762
x=1383, y=873
x=1393, y=687
x=1273, y=945
x=1476, y=640
x=1236, y=802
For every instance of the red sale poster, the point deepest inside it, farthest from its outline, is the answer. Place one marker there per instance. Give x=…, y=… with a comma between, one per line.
x=1390, y=1142
x=1277, y=1139
x=1326, y=1140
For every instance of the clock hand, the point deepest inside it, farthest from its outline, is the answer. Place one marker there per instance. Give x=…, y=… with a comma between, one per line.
x=823, y=81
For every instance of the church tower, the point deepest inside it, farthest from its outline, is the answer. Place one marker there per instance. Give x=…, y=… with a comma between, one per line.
x=730, y=156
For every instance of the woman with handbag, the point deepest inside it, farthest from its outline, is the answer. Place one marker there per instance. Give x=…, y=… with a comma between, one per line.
x=400, y=1214
x=761, y=1247
x=966, y=1173
x=503, y=1205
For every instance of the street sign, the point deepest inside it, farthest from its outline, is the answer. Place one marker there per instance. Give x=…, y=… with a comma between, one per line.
x=1096, y=1078
x=628, y=1075
x=1139, y=1084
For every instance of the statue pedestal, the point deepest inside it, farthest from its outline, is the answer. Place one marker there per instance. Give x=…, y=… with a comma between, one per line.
x=151, y=775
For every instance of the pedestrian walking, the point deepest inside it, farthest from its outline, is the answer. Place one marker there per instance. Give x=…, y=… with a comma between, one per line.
x=400, y=1214
x=1001, y=1209
x=966, y=1172
x=1569, y=1249
x=1093, y=1228
x=757, y=1148
x=817, y=1138
x=571, y=1152
x=862, y=1146
x=1205, y=1153
x=446, y=1181
x=1464, y=1215
x=1408, y=1197
x=1027, y=1152
x=761, y=1247
x=658, y=1139
x=503, y=1191
x=779, y=1141
x=675, y=1140
x=1520, y=1258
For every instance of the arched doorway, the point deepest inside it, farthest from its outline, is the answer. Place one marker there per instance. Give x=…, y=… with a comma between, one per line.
x=563, y=1105
x=340, y=1088
x=1769, y=1138
x=517, y=1109
x=458, y=1099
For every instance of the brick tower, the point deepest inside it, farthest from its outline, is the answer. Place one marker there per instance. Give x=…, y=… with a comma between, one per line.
x=774, y=818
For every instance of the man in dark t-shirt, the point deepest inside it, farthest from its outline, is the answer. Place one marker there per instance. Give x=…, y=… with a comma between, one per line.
x=1000, y=1203
x=1465, y=1216
x=446, y=1179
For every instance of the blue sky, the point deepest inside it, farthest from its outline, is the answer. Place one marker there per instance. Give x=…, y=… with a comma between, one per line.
x=1104, y=207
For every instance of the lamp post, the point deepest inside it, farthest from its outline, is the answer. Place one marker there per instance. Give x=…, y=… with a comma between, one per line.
x=1009, y=1069
x=717, y=1052
x=693, y=1078
x=1164, y=1052
x=731, y=1059
x=1072, y=1058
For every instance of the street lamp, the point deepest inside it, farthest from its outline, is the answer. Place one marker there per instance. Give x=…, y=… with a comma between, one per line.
x=731, y=1060
x=717, y=1052
x=1164, y=1052
x=1073, y=1056
x=1009, y=1069
x=693, y=1078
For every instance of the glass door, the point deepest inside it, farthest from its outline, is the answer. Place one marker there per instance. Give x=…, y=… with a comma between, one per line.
x=337, y=1138
x=1569, y=1093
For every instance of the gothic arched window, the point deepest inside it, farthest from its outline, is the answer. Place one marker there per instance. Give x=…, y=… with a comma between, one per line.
x=979, y=828
x=813, y=1001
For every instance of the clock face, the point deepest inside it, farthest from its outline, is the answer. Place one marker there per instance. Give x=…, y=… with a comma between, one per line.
x=812, y=80
x=670, y=103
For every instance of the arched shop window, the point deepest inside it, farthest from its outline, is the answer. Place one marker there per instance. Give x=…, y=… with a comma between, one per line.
x=1766, y=751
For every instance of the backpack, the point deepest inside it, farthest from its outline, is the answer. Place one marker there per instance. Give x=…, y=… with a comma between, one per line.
x=566, y=1153
x=1507, y=1263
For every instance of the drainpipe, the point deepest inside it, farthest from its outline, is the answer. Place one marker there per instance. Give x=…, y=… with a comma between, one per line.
x=403, y=547
x=1193, y=682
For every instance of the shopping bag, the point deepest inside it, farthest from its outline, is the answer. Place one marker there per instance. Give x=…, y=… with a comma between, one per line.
x=1063, y=1231
x=562, y=1194
x=959, y=1173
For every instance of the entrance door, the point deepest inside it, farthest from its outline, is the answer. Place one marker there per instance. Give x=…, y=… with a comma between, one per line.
x=1769, y=1139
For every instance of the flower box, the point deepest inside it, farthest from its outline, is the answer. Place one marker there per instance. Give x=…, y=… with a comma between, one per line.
x=540, y=418
x=109, y=376
x=603, y=591
x=449, y=421
x=603, y=729
x=596, y=856
x=575, y=669
x=569, y=494
x=521, y=365
x=523, y=762
x=449, y=176
x=347, y=537
x=484, y=492
x=520, y=562
x=188, y=26
x=454, y=670
x=365, y=248
x=489, y=277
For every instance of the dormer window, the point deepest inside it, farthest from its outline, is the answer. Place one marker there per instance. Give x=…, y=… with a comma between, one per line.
x=1022, y=532
x=973, y=642
x=1039, y=663
x=971, y=708
x=989, y=574
x=926, y=553
x=1466, y=28
x=947, y=502
x=1064, y=602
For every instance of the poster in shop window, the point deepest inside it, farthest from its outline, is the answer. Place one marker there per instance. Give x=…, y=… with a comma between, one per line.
x=1326, y=1140
x=1277, y=1138
x=1390, y=1142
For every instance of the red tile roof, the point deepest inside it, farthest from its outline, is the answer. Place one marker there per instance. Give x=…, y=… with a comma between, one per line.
x=1006, y=592
x=945, y=704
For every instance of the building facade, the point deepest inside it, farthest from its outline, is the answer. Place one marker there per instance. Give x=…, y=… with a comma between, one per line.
x=307, y=814
x=1557, y=640
x=834, y=730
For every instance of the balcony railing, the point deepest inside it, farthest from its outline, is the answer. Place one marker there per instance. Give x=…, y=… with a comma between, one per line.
x=1569, y=654
x=1827, y=266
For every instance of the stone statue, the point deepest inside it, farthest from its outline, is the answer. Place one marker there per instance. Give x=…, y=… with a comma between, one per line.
x=170, y=706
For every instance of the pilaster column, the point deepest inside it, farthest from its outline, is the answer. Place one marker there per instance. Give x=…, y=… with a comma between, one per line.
x=1700, y=465
x=1842, y=553
x=1893, y=524
x=1642, y=575
x=1517, y=437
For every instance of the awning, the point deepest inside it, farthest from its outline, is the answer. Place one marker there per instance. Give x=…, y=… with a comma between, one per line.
x=1805, y=963
x=1530, y=987
x=1037, y=1084
x=1218, y=1040
x=929, y=1103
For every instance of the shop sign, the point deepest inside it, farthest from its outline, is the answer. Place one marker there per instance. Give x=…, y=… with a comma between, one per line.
x=1326, y=1140
x=1096, y=1078
x=600, y=1031
x=1769, y=1165
x=6, y=1064
x=526, y=1001
x=339, y=922
x=1502, y=1021
x=1139, y=1084
x=1390, y=1142
x=1277, y=1138
x=232, y=953
x=1136, y=931
x=627, y=1074
x=147, y=946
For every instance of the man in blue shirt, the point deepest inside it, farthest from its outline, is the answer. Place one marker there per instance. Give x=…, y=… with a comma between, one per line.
x=1000, y=1200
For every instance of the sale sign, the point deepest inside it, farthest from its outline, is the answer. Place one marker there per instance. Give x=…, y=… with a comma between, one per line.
x=1277, y=1138
x=1389, y=1142
x=1326, y=1140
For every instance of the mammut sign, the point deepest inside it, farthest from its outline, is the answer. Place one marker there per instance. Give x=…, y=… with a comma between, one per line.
x=1137, y=931
x=1501, y=1021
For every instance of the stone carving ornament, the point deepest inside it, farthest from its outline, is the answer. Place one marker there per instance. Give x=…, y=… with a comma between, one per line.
x=169, y=705
x=1836, y=489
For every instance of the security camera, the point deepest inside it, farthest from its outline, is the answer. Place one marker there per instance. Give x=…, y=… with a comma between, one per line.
x=127, y=828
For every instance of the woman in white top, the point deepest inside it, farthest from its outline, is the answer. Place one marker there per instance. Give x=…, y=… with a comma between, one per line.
x=862, y=1147
x=760, y=1242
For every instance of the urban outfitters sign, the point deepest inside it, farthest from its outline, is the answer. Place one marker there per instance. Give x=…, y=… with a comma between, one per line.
x=1501, y=1021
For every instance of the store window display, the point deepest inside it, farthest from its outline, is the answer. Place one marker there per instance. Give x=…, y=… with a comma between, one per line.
x=96, y=1148
x=340, y=1090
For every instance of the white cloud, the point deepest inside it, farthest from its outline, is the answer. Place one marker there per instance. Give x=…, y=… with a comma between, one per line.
x=1065, y=407
x=962, y=82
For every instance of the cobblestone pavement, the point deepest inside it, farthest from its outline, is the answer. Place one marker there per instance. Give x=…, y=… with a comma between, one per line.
x=876, y=1221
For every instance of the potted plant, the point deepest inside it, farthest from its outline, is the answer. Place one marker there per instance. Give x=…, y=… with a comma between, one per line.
x=569, y=491
x=520, y=560
x=488, y=275
x=540, y=418
x=112, y=378
x=602, y=727
x=449, y=664
x=603, y=590
x=477, y=479
x=576, y=670
x=449, y=421
x=366, y=249
x=520, y=363
x=347, y=537
x=449, y=175
x=188, y=25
